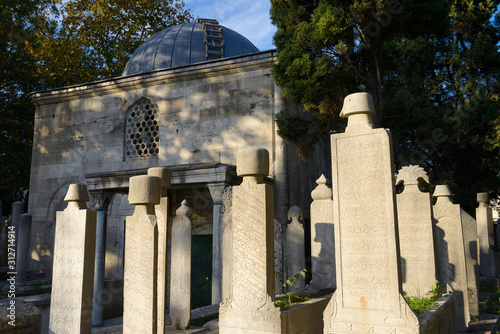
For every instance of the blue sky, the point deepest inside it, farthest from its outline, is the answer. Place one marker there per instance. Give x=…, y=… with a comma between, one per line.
x=248, y=17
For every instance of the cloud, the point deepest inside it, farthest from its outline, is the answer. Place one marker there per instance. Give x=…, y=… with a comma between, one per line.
x=249, y=18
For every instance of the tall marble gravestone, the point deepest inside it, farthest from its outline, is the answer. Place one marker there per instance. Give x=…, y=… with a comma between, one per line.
x=485, y=235
x=250, y=309
x=180, y=272
x=73, y=269
x=368, y=297
x=295, y=249
x=161, y=211
x=140, y=285
x=322, y=236
x=451, y=253
x=469, y=230
x=416, y=235
x=227, y=241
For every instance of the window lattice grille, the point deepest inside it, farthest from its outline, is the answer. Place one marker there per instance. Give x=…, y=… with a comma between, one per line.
x=143, y=139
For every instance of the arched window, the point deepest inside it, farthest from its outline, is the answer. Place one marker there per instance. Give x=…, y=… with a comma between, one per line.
x=142, y=137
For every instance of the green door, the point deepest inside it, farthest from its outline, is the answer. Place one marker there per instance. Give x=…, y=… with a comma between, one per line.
x=201, y=271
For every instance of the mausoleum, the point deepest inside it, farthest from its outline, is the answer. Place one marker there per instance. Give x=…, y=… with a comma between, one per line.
x=188, y=99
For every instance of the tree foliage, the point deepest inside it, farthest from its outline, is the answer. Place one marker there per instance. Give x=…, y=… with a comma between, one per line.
x=95, y=38
x=432, y=67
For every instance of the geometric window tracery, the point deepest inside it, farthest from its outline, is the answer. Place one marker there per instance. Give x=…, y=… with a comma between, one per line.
x=142, y=137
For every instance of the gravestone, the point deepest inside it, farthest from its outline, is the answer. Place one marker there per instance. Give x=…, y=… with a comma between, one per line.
x=469, y=228
x=250, y=309
x=295, y=251
x=279, y=259
x=227, y=241
x=23, y=239
x=140, y=284
x=180, y=272
x=322, y=236
x=17, y=211
x=73, y=269
x=368, y=297
x=161, y=211
x=451, y=253
x=416, y=236
x=485, y=235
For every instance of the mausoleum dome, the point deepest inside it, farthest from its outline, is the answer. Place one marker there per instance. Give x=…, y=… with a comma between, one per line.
x=186, y=44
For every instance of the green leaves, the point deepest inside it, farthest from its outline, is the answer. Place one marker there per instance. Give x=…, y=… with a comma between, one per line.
x=432, y=68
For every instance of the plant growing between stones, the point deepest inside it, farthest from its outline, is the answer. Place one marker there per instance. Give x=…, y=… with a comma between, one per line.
x=286, y=300
x=420, y=304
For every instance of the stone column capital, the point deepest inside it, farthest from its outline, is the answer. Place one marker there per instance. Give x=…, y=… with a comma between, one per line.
x=100, y=199
x=216, y=191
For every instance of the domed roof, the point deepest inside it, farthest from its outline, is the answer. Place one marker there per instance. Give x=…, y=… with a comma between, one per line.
x=186, y=44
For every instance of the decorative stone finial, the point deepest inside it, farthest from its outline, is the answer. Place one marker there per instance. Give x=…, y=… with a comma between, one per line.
x=252, y=162
x=144, y=189
x=184, y=209
x=77, y=193
x=322, y=191
x=443, y=193
x=483, y=198
x=164, y=174
x=295, y=214
x=359, y=109
x=410, y=175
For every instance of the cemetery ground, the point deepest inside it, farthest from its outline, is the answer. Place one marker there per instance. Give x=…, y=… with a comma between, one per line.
x=37, y=291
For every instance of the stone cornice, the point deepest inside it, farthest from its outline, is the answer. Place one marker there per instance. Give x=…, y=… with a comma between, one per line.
x=207, y=69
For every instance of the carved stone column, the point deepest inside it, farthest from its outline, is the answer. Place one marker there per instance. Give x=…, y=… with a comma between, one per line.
x=216, y=190
x=100, y=201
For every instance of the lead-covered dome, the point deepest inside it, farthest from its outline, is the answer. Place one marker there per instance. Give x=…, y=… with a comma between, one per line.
x=186, y=44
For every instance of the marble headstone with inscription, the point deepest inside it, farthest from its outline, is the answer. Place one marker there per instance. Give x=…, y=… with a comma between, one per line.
x=180, y=276
x=295, y=251
x=73, y=269
x=469, y=230
x=485, y=235
x=161, y=211
x=140, y=284
x=451, y=253
x=368, y=297
x=416, y=236
x=322, y=236
x=250, y=309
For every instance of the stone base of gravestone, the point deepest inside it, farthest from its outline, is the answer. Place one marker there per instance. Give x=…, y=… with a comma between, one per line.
x=26, y=317
x=441, y=319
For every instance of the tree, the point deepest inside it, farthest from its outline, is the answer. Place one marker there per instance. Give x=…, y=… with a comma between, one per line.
x=95, y=38
x=19, y=21
x=431, y=66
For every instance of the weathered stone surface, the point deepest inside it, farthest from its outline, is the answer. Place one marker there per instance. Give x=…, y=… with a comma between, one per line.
x=140, y=284
x=322, y=236
x=216, y=191
x=73, y=272
x=485, y=235
x=368, y=297
x=295, y=251
x=180, y=277
x=469, y=230
x=161, y=211
x=23, y=240
x=250, y=309
x=227, y=242
x=450, y=252
x=416, y=235
x=21, y=318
